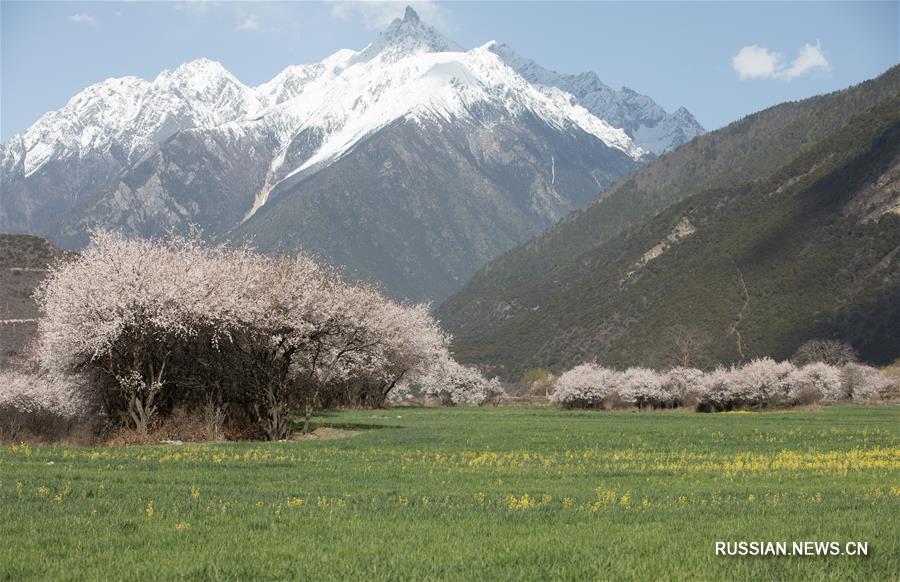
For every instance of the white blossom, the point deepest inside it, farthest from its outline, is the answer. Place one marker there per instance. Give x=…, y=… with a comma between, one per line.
x=760, y=383
x=280, y=331
x=454, y=383
x=683, y=385
x=34, y=393
x=585, y=386
x=820, y=379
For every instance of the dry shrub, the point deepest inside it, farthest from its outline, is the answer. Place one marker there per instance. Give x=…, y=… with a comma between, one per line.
x=806, y=395
x=614, y=402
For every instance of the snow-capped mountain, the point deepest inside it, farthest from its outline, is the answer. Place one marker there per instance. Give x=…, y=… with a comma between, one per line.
x=645, y=122
x=344, y=104
x=134, y=114
x=197, y=146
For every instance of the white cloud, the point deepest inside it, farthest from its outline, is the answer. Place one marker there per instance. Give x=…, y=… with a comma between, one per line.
x=756, y=62
x=810, y=59
x=377, y=14
x=84, y=18
x=249, y=22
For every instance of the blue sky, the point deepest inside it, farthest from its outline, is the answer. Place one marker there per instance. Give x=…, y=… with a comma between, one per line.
x=721, y=60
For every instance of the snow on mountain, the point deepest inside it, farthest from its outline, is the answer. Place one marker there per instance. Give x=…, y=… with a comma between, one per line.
x=134, y=114
x=288, y=83
x=411, y=70
x=648, y=124
x=454, y=140
x=405, y=37
x=89, y=120
x=448, y=85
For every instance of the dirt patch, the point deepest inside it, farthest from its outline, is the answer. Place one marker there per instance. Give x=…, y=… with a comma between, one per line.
x=325, y=433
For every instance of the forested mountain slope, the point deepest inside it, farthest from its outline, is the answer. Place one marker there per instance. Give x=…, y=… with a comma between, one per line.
x=747, y=150
x=733, y=272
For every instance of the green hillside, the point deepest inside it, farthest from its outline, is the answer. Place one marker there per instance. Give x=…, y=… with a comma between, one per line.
x=746, y=150
x=748, y=269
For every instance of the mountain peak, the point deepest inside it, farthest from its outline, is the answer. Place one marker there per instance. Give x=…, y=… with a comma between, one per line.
x=201, y=65
x=407, y=36
x=410, y=15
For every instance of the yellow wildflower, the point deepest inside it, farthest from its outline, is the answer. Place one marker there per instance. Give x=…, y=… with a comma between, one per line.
x=524, y=502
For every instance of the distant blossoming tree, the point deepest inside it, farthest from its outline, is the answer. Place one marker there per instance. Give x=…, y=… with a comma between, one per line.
x=586, y=386
x=758, y=384
x=453, y=383
x=682, y=385
x=642, y=387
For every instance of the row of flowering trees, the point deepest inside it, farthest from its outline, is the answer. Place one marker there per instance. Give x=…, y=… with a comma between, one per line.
x=134, y=329
x=760, y=384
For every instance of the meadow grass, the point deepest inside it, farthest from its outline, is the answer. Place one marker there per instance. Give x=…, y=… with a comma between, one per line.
x=467, y=493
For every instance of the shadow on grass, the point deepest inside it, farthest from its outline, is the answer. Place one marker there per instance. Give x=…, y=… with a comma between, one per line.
x=321, y=420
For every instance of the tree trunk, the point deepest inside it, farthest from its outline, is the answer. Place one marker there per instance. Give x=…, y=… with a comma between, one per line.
x=306, y=418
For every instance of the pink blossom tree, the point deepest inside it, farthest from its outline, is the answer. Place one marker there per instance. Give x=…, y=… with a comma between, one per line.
x=156, y=324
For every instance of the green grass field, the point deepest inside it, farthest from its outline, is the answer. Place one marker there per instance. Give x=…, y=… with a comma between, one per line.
x=508, y=493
